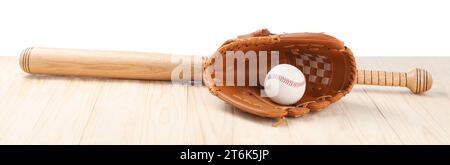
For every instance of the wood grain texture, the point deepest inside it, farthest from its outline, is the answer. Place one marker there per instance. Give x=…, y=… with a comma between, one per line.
x=72, y=110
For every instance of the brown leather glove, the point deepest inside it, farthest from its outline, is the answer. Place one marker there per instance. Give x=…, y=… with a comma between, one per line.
x=329, y=68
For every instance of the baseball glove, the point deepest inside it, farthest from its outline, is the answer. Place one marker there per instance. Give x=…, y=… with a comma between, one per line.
x=329, y=68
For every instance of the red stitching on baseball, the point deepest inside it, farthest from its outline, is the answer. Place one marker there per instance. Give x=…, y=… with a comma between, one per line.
x=285, y=80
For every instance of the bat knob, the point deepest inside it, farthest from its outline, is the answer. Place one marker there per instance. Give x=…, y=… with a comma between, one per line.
x=419, y=80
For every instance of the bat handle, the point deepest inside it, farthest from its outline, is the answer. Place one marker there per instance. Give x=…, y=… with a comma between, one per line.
x=417, y=80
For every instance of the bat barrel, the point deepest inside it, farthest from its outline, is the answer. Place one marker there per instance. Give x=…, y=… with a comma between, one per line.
x=110, y=64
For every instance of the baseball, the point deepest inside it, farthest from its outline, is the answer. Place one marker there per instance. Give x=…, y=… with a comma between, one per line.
x=284, y=84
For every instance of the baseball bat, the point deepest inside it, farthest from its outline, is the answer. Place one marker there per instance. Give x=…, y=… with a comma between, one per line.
x=109, y=64
x=158, y=66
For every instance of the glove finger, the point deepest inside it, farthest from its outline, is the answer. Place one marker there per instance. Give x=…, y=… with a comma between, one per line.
x=297, y=112
x=318, y=105
x=336, y=97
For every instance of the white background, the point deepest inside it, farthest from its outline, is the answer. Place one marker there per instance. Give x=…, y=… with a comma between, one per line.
x=375, y=28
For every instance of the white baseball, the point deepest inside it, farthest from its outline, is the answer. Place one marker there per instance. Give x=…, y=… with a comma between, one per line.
x=284, y=84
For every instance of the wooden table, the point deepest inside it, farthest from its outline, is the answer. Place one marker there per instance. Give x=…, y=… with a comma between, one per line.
x=72, y=110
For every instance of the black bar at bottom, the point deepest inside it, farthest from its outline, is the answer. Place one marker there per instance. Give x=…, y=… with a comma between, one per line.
x=226, y=153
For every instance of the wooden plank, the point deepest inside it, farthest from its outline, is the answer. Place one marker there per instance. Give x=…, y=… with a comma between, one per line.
x=137, y=112
x=23, y=105
x=353, y=120
x=43, y=109
x=66, y=115
x=210, y=121
x=72, y=110
x=405, y=112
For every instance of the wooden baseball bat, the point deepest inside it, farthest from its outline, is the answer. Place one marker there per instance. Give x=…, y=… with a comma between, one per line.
x=158, y=66
x=110, y=64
